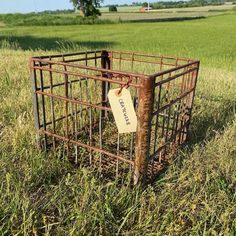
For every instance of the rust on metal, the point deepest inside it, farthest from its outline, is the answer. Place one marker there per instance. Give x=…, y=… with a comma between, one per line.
x=72, y=111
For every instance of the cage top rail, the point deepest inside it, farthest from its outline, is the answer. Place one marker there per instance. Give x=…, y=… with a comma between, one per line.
x=63, y=72
x=150, y=55
x=177, y=75
x=67, y=54
x=112, y=72
x=114, y=51
x=122, y=73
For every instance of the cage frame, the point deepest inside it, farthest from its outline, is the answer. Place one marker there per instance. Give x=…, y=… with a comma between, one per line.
x=149, y=86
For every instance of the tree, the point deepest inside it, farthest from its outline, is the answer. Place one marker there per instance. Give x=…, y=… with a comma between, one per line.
x=145, y=4
x=113, y=8
x=87, y=7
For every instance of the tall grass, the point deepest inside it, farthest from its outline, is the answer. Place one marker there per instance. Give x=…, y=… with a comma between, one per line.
x=44, y=19
x=43, y=194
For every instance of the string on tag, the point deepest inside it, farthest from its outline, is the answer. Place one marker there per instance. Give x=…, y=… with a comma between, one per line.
x=125, y=85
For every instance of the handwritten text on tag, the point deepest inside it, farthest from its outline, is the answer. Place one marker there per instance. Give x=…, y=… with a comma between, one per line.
x=123, y=110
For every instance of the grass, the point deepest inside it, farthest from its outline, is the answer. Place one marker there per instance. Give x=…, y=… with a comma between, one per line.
x=44, y=19
x=124, y=14
x=165, y=14
x=44, y=194
x=201, y=9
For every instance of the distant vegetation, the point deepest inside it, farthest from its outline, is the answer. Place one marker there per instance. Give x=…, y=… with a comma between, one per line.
x=175, y=4
x=42, y=19
x=112, y=8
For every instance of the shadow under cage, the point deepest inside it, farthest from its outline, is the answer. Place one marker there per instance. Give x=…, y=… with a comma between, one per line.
x=72, y=111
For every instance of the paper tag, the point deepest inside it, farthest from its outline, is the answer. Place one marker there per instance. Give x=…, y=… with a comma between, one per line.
x=123, y=110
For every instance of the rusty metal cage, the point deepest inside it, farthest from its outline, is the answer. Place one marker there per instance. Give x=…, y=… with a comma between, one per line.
x=72, y=111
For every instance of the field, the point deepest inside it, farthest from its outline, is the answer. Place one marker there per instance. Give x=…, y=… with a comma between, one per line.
x=45, y=195
x=202, y=9
x=133, y=14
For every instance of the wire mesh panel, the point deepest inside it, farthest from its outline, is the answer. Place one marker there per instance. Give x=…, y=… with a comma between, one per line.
x=72, y=111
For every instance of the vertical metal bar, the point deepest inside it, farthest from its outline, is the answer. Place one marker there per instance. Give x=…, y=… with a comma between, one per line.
x=73, y=119
x=43, y=106
x=132, y=134
x=88, y=98
x=192, y=99
x=95, y=61
x=52, y=104
x=66, y=108
x=35, y=102
x=167, y=129
x=76, y=134
x=100, y=139
x=132, y=63
x=157, y=116
x=105, y=63
x=81, y=108
x=118, y=152
x=120, y=62
x=142, y=145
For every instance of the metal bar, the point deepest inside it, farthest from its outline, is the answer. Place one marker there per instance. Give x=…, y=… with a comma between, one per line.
x=174, y=69
x=155, y=133
x=94, y=148
x=142, y=144
x=43, y=108
x=163, y=146
x=174, y=76
x=60, y=84
x=192, y=99
x=82, y=59
x=36, y=105
x=151, y=55
x=52, y=107
x=105, y=63
x=172, y=102
x=76, y=135
x=87, y=67
x=66, y=107
x=100, y=138
x=74, y=101
x=65, y=55
x=143, y=61
x=90, y=76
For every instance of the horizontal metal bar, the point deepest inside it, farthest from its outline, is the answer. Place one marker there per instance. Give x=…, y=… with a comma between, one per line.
x=97, y=149
x=175, y=68
x=66, y=55
x=83, y=59
x=145, y=61
x=87, y=76
x=73, y=100
x=60, y=84
x=173, y=101
x=150, y=55
x=69, y=115
x=87, y=68
x=175, y=76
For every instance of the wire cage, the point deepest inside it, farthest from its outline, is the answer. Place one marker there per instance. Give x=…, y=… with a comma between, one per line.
x=72, y=111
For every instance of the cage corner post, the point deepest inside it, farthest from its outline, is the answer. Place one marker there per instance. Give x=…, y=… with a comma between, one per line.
x=35, y=101
x=105, y=64
x=142, y=144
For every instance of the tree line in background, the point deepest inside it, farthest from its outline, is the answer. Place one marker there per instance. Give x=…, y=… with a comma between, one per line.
x=90, y=7
x=87, y=7
x=172, y=4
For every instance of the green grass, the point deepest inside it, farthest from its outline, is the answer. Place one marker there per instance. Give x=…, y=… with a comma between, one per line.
x=124, y=14
x=43, y=19
x=44, y=194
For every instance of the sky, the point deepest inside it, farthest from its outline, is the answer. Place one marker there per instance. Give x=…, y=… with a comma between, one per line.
x=23, y=6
